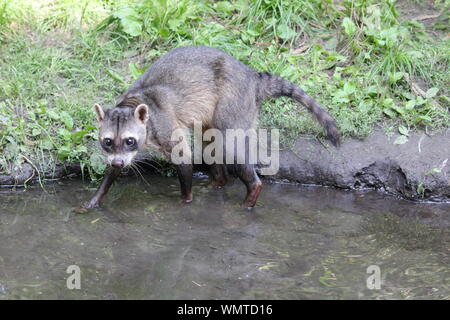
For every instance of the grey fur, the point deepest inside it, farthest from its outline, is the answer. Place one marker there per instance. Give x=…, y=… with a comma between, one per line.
x=201, y=84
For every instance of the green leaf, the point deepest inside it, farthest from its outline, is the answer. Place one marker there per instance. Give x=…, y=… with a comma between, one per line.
x=114, y=76
x=285, y=32
x=64, y=133
x=396, y=76
x=52, y=114
x=349, y=26
x=372, y=90
x=424, y=118
x=77, y=137
x=136, y=72
x=403, y=130
x=431, y=93
x=129, y=21
x=410, y=104
x=174, y=24
x=349, y=88
x=398, y=109
x=81, y=149
x=35, y=132
x=90, y=128
x=224, y=7
x=98, y=163
x=389, y=113
x=64, y=153
x=132, y=27
x=421, y=189
x=165, y=33
x=401, y=140
x=46, y=144
x=253, y=32
x=434, y=170
x=331, y=44
x=67, y=120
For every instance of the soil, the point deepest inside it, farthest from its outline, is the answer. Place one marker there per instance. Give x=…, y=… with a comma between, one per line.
x=424, y=12
x=417, y=170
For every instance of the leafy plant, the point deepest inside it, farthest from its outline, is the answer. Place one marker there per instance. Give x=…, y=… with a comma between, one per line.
x=155, y=20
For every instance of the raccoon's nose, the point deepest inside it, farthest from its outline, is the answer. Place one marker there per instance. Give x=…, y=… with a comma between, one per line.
x=117, y=163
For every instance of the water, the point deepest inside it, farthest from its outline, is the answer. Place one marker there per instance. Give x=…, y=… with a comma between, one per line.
x=298, y=243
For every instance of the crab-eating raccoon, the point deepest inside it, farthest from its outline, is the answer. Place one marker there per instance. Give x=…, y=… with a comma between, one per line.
x=184, y=86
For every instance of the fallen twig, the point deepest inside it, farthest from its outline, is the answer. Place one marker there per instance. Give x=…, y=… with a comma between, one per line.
x=426, y=17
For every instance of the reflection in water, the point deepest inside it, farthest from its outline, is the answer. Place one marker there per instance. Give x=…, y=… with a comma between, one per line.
x=298, y=243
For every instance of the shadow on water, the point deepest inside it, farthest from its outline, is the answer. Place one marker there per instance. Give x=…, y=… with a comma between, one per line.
x=298, y=243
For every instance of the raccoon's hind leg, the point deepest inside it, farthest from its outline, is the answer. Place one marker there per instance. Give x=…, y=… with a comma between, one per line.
x=217, y=171
x=247, y=174
x=184, y=170
x=239, y=112
x=218, y=175
x=185, y=176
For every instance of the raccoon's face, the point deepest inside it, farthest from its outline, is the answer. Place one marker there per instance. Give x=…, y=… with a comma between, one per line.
x=122, y=132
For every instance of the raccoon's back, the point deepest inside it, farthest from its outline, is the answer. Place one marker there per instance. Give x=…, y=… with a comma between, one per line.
x=196, y=68
x=197, y=78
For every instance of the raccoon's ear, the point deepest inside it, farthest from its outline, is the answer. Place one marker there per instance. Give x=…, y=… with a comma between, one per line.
x=141, y=113
x=99, y=112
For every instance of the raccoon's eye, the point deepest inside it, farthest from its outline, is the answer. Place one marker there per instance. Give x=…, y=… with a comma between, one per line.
x=130, y=142
x=107, y=142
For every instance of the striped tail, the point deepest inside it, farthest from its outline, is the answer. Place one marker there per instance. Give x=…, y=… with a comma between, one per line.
x=272, y=85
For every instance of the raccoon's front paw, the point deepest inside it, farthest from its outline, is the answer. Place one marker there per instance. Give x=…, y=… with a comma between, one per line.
x=90, y=205
x=217, y=184
x=187, y=199
x=252, y=196
x=80, y=210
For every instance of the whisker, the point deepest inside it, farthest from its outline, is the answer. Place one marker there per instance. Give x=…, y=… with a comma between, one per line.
x=135, y=168
x=149, y=164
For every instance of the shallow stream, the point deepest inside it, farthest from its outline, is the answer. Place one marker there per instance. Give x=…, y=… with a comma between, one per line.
x=298, y=243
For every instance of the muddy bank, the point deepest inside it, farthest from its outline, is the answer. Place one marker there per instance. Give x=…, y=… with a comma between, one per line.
x=27, y=174
x=416, y=170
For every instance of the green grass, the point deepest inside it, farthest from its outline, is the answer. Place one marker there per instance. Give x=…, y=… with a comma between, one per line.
x=364, y=61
